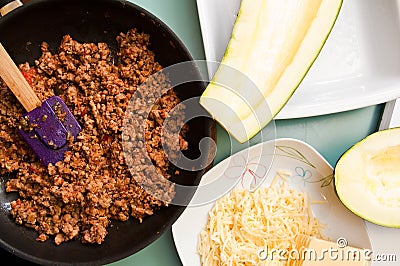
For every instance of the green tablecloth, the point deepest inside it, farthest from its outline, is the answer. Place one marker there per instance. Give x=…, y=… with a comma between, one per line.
x=330, y=134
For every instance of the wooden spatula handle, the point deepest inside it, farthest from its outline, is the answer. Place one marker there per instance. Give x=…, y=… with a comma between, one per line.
x=17, y=83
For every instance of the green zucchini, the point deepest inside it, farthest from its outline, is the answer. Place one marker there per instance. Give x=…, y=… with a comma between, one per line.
x=272, y=46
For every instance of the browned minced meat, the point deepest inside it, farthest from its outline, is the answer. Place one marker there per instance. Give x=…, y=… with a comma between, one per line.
x=78, y=197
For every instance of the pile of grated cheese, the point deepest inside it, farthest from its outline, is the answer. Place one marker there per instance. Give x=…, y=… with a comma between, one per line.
x=243, y=223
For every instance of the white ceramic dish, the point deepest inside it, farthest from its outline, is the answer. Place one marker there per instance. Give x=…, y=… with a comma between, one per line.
x=359, y=65
x=310, y=172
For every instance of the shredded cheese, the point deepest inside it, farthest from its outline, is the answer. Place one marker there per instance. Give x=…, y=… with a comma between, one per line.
x=242, y=224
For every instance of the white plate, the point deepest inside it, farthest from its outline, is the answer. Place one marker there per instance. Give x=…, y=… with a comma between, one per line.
x=359, y=65
x=310, y=172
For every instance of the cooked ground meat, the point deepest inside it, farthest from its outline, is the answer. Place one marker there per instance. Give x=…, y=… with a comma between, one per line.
x=78, y=197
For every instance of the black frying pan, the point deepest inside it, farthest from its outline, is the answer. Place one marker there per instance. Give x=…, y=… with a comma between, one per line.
x=21, y=32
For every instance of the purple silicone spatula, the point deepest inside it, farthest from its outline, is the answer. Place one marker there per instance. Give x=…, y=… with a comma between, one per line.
x=47, y=127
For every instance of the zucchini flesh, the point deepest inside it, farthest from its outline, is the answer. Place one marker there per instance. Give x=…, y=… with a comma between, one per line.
x=367, y=178
x=273, y=44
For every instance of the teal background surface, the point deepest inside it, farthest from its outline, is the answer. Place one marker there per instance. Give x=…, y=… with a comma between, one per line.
x=331, y=135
